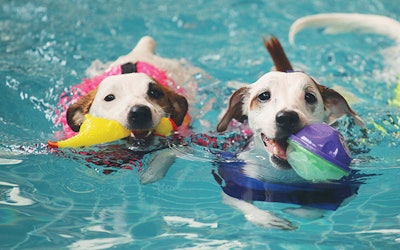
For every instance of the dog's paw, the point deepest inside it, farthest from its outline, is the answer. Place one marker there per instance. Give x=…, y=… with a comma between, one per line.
x=256, y=215
x=306, y=212
x=268, y=220
x=158, y=167
x=150, y=177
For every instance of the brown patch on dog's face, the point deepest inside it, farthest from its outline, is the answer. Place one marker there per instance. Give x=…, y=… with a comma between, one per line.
x=173, y=104
x=257, y=100
x=77, y=111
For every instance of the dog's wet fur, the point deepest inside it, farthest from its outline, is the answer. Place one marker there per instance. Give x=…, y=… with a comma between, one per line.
x=278, y=104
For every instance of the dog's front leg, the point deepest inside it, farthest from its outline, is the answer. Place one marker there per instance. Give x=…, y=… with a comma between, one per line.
x=257, y=216
x=159, y=165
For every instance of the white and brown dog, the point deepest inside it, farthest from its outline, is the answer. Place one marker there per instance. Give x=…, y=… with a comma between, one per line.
x=277, y=105
x=146, y=88
x=135, y=100
x=281, y=103
x=137, y=90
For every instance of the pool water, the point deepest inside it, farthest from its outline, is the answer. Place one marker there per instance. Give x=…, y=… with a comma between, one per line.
x=49, y=201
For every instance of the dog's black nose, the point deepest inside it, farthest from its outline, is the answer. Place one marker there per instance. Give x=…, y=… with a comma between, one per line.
x=287, y=120
x=140, y=117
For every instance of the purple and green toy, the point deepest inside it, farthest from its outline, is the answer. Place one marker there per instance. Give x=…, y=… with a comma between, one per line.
x=319, y=153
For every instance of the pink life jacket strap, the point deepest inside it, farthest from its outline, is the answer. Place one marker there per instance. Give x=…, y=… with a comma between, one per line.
x=157, y=74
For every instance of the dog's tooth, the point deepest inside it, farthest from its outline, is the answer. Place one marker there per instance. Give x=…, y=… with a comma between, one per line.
x=148, y=133
x=275, y=150
x=133, y=135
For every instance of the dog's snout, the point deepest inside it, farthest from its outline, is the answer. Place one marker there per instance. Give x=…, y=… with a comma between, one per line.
x=287, y=120
x=140, y=117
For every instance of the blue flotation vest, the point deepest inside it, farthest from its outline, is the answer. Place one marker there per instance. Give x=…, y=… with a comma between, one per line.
x=327, y=196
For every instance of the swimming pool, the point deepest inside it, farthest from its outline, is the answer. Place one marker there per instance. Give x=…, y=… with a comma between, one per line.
x=58, y=202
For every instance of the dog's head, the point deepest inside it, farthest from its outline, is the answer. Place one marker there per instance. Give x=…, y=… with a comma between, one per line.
x=135, y=100
x=280, y=104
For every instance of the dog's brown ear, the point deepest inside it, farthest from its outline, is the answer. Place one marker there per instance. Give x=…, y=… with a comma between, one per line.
x=178, y=106
x=277, y=53
x=235, y=109
x=77, y=111
x=337, y=106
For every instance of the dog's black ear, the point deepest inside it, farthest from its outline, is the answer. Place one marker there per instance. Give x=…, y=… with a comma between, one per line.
x=277, y=54
x=77, y=111
x=235, y=109
x=337, y=106
x=179, y=105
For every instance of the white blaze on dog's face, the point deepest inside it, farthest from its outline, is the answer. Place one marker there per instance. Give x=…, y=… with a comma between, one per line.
x=279, y=104
x=117, y=96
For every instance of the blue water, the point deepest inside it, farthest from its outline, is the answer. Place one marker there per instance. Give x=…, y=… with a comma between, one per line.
x=46, y=46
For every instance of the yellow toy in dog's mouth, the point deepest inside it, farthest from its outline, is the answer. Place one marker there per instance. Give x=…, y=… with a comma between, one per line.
x=96, y=130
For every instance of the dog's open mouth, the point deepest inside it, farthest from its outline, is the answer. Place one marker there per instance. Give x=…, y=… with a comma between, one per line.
x=277, y=147
x=141, y=133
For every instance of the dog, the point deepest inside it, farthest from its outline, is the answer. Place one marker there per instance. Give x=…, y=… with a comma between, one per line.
x=281, y=103
x=139, y=95
x=334, y=23
x=135, y=100
x=138, y=90
x=278, y=104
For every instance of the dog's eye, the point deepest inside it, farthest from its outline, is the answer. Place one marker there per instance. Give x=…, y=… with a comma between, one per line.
x=310, y=98
x=154, y=92
x=264, y=96
x=109, y=98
